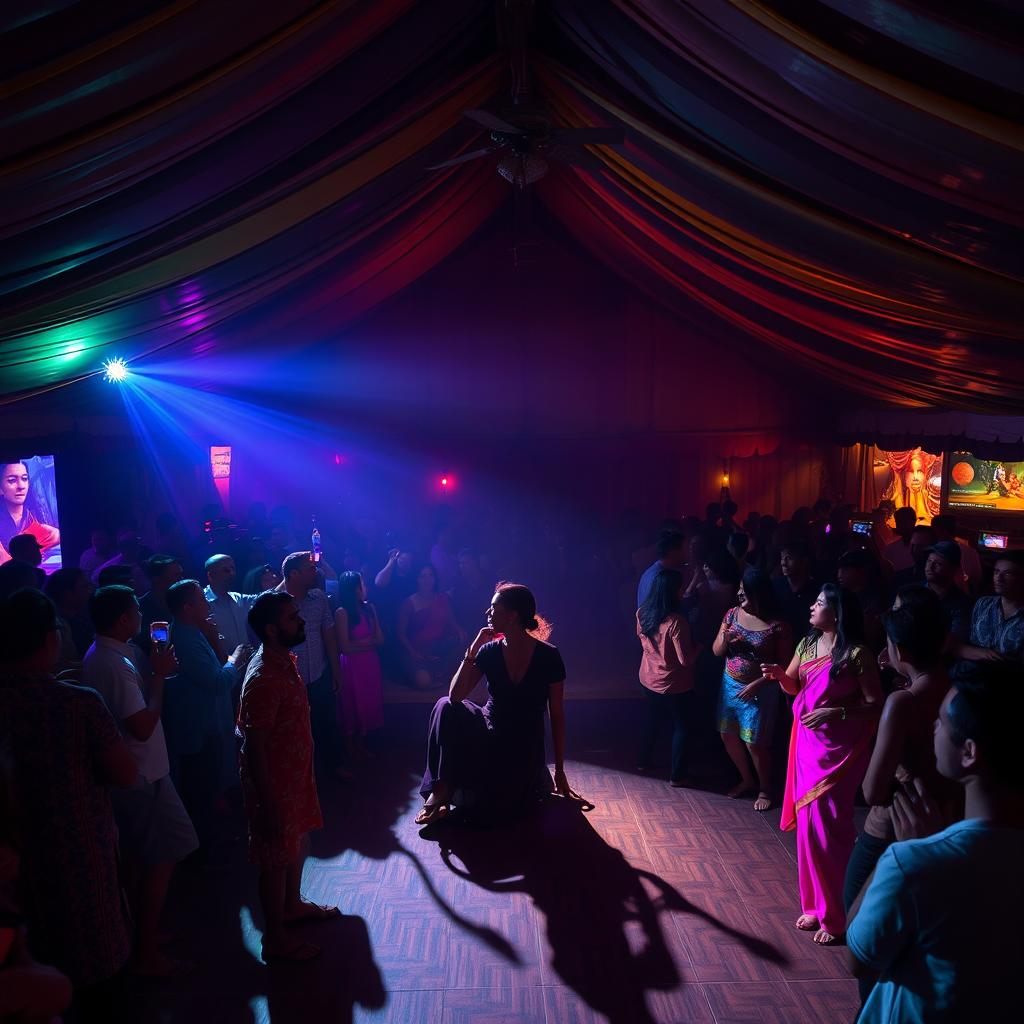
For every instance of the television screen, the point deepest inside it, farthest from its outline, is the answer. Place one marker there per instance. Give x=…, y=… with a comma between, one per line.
x=985, y=485
x=29, y=492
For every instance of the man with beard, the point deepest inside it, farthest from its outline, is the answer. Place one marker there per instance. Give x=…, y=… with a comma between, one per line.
x=276, y=767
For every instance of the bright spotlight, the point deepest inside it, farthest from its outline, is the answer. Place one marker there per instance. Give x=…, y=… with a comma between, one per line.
x=115, y=371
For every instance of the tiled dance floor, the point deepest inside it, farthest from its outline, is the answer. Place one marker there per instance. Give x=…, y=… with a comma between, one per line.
x=661, y=905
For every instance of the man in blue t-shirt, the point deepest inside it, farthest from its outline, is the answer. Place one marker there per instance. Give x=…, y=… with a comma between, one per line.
x=939, y=922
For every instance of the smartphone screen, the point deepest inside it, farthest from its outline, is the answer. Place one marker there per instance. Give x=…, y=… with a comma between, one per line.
x=994, y=540
x=159, y=632
x=861, y=526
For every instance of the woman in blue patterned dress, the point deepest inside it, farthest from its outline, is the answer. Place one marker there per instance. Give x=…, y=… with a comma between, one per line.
x=748, y=704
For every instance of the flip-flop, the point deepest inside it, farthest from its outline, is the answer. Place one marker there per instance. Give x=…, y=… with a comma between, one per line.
x=315, y=912
x=431, y=813
x=300, y=953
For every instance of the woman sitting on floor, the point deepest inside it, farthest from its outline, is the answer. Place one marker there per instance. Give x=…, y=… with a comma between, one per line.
x=492, y=757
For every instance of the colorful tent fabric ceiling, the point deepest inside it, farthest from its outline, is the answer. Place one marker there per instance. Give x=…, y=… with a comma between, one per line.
x=834, y=185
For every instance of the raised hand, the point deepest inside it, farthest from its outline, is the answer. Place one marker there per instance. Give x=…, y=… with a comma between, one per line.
x=485, y=636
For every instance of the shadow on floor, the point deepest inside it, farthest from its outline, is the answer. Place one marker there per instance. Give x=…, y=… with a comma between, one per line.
x=603, y=915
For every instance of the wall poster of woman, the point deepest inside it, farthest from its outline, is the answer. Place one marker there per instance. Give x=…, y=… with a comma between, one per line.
x=916, y=482
x=28, y=505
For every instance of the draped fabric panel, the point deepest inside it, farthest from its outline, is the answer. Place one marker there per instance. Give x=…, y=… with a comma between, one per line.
x=284, y=186
x=807, y=201
x=828, y=189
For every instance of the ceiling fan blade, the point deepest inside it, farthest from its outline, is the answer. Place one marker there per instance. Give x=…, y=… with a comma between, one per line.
x=575, y=157
x=596, y=136
x=492, y=122
x=465, y=158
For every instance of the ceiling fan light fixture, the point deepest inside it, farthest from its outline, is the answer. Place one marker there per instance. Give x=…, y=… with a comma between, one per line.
x=522, y=169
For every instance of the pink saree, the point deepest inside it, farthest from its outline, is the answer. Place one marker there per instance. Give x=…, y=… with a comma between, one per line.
x=826, y=765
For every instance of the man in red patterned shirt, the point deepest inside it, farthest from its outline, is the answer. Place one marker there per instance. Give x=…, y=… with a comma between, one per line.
x=276, y=767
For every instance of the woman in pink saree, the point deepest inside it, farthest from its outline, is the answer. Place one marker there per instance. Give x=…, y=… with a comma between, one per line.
x=838, y=701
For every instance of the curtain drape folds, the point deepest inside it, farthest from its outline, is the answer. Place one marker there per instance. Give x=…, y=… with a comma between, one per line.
x=830, y=187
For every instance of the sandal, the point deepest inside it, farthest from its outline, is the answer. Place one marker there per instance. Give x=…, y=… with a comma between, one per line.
x=300, y=953
x=763, y=802
x=431, y=813
x=807, y=923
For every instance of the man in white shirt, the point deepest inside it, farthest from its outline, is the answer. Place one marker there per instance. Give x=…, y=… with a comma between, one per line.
x=228, y=608
x=155, y=830
x=939, y=922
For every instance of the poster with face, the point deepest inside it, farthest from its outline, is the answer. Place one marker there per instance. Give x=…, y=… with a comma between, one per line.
x=984, y=484
x=29, y=518
x=914, y=481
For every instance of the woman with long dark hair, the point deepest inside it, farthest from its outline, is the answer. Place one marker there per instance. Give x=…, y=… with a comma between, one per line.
x=838, y=701
x=666, y=670
x=361, y=695
x=748, y=704
x=20, y=512
x=491, y=758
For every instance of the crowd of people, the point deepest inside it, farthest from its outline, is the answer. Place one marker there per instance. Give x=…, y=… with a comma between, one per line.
x=861, y=644
x=144, y=688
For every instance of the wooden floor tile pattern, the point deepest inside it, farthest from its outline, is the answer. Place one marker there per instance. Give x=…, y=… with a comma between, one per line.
x=662, y=906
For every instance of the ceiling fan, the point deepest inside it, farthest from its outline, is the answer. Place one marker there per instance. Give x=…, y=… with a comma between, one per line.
x=527, y=141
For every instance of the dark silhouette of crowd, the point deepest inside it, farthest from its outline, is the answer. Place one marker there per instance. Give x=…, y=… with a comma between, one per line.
x=155, y=685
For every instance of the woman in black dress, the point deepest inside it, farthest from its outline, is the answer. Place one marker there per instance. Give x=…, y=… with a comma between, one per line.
x=492, y=757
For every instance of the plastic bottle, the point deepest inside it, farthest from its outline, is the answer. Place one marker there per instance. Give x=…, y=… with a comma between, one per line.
x=315, y=544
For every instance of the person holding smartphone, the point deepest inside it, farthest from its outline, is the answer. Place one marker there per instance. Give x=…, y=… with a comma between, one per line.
x=154, y=828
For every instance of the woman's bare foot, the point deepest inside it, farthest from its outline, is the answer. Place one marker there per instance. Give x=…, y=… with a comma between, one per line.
x=431, y=812
x=741, y=787
x=763, y=802
x=824, y=938
x=437, y=806
x=808, y=923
